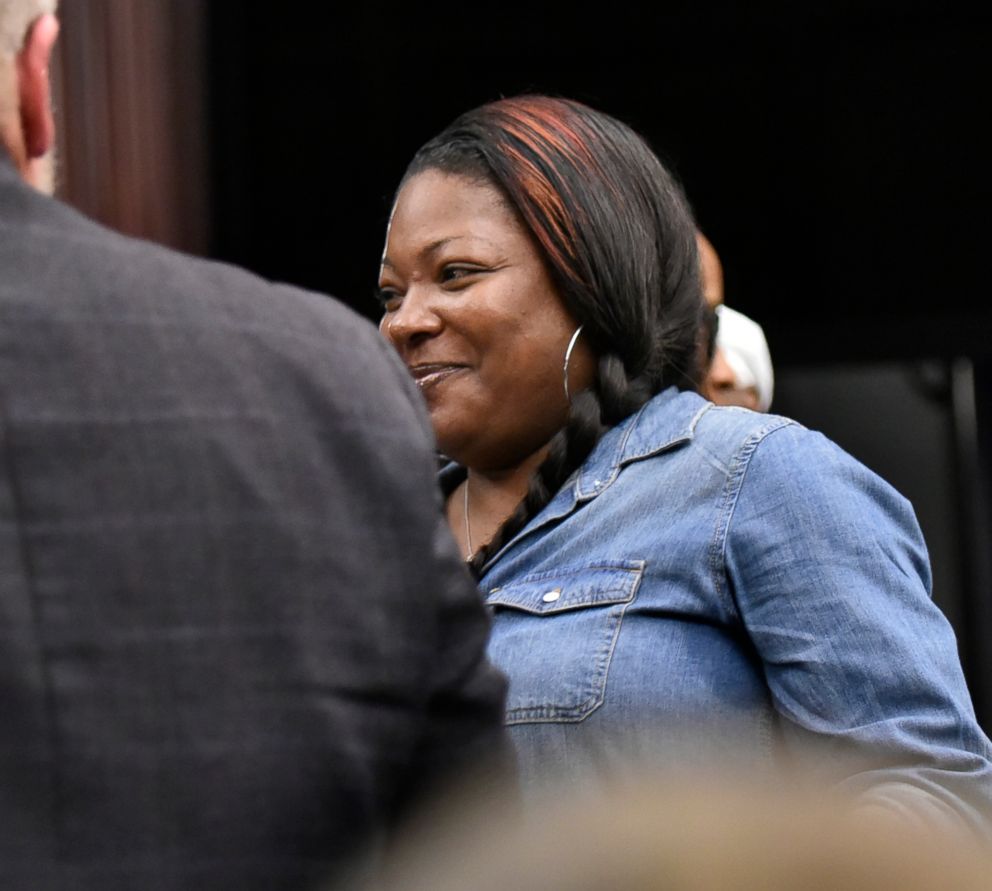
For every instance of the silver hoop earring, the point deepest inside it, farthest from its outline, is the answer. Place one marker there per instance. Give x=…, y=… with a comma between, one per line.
x=568, y=358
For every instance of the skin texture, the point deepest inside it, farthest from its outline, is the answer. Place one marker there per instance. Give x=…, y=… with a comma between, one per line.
x=472, y=310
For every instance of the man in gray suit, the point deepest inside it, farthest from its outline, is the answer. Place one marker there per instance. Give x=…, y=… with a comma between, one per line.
x=236, y=640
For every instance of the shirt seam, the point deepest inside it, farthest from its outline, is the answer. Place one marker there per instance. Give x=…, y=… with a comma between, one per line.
x=731, y=495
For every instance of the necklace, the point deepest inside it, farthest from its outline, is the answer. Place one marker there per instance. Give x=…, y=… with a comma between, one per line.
x=468, y=525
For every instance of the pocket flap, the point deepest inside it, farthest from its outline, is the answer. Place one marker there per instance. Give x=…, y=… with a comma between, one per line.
x=555, y=592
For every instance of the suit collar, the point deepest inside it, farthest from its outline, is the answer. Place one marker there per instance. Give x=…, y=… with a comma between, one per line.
x=7, y=169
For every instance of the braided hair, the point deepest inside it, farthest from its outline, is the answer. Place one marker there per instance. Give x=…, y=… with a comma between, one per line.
x=618, y=236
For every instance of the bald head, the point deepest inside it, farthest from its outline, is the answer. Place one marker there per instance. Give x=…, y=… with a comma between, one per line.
x=711, y=271
x=27, y=35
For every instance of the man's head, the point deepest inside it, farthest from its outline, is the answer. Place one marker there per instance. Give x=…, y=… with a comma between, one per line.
x=27, y=34
x=739, y=368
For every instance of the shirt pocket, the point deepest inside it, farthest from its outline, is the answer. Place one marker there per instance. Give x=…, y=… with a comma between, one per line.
x=554, y=635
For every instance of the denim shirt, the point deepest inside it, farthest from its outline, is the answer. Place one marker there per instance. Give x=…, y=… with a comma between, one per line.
x=713, y=575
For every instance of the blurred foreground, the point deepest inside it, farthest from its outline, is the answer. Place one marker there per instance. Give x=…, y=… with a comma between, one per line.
x=701, y=833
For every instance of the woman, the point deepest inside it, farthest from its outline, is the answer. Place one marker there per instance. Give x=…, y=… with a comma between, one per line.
x=657, y=566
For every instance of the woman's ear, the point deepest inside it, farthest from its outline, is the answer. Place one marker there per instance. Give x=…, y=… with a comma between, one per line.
x=34, y=86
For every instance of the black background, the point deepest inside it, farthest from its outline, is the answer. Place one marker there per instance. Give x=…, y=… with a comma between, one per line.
x=832, y=150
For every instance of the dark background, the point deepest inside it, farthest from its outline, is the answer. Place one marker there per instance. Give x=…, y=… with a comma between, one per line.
x=833, y=151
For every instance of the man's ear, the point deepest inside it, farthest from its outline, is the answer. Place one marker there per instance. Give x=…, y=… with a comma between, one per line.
x=34, y=87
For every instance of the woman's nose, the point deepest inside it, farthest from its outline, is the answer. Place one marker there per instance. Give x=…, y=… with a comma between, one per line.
x=415, y=319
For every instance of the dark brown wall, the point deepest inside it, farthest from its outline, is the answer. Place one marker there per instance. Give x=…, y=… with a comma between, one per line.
x=130, y=101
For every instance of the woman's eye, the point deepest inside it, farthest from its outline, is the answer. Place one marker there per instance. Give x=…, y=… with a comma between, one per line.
x=458, y=273
x=388, y=299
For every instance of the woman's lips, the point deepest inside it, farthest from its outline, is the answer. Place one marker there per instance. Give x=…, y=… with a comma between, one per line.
x=429, y=375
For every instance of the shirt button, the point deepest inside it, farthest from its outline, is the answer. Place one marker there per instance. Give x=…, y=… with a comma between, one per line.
x=552, y=596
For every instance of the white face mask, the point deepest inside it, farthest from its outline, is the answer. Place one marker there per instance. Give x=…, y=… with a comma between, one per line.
x=746, y=352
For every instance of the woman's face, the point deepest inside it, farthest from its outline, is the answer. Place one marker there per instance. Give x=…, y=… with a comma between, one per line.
x=471, y=308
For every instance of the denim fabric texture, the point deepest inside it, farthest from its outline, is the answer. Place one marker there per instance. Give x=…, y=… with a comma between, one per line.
x=713, y=582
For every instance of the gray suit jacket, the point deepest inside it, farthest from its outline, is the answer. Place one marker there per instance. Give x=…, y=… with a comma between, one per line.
x=235, y=635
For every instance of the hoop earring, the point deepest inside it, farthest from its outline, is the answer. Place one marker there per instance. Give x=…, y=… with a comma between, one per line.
x=568, y=358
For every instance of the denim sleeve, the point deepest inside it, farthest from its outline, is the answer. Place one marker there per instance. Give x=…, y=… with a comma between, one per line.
x=827, y=565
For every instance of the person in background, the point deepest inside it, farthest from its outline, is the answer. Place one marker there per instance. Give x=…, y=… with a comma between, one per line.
x=739, y=368
x=237, y=643
x=670, y=580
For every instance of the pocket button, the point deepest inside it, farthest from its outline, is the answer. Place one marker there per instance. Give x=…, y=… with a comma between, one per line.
x=552, y=596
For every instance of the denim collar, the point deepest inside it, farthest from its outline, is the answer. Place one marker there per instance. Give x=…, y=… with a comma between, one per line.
x=667, y=421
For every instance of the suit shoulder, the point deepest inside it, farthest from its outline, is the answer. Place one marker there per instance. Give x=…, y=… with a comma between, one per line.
x=62, y=262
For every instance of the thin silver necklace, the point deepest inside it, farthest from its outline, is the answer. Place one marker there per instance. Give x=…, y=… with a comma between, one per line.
x=468, y=525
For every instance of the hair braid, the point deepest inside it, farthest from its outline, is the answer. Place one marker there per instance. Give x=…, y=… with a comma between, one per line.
x=593, y=412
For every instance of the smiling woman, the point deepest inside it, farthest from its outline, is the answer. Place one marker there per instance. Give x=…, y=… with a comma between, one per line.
x=471, y=307
x=544, y=233
x=667, y=577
